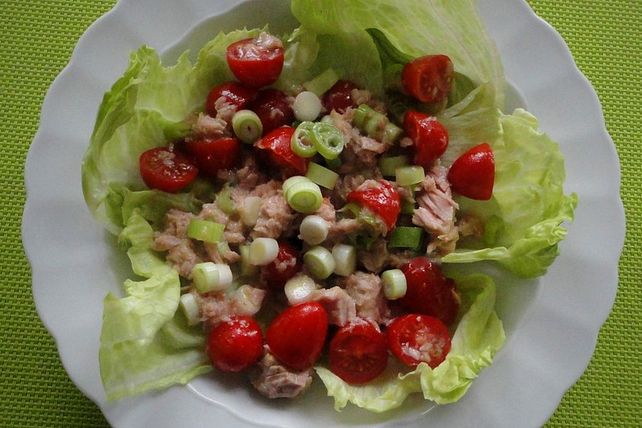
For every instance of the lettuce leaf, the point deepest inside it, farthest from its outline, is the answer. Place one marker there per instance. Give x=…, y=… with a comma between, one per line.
x=478, y=337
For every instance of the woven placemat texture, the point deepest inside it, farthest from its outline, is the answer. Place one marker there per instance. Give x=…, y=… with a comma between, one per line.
x=36, y=42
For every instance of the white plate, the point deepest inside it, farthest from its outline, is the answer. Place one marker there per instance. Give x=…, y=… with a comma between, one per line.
x=552, y=324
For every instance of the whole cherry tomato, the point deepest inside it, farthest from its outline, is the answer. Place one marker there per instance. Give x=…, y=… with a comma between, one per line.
x=212, y=155
x=233, y=93
x=382, y=199
x=473, y=173
x=339, y=96
x=277, y=147
x=416, y=338
x=296, y=336
x=236, y=344
x=429, y=292
x=429, y=137
x=273, y=108
x=284, y=267
x=256, y=62
x=428, y=78
x=358, y=352
x=166, y=170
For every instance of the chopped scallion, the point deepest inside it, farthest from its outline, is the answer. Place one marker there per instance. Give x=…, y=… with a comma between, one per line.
x=304, y=196
x=409, y=175
x=319, y=262
x=394, y=284
x=263, y=251
x=307, y=106
x=205, y=230
x=345, y=259
x=249, y=211
x=247, y=126
x=313, y=230
x=247, y=268
x=298, y=289
x=210, y=277
x=224, y=200
x=302, y=142
x=375, y=125
x=291, y=181
x=322, y=176
x=389, y=164
x=190, y=308
x=406, y=237
x=328, y=140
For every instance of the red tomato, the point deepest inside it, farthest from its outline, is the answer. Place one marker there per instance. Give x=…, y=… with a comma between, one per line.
x=236, y=344
x=233, y=93
x=383, y=200
x=166, y=170
x=256, y=62
x=286, y=265
x=273, y=108
x=429, y=292
x=429, y=136
x=418, y=338
x=358, y=352
x=473, y=173
x=296, y=336
x=339, y=96
x=428, y=78
x=276, y=145
x=213, y=155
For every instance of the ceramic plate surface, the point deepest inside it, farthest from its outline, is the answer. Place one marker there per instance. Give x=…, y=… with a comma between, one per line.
x=551, y=323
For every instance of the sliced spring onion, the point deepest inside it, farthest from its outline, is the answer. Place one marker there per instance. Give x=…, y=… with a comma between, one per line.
x=322, y=176
x=307, y=106
x=302, y=142
x=190, y=308
x=247, y=126
x=292, y=180
x=394, y=284
x=298, y=289
x=247, y=269
x=324, y=81
x=375, y=125
x=304, y=197
x=407, y=207
x=328, y=140
x=222, y=247
x=345, y=259
x=249, y=211
x=210, y=276
x=263, y=251
x=224, y=200
x=205, y=230
x=389, y=164
x=391, y=132
x=406, y=237
x=319, y=262
x=313, y=230
x=409, y=175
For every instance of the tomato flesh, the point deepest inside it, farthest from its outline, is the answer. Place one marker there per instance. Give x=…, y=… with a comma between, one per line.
x=429, y=137
x=296, y=336
x=166, y=170
x=256, y=62
x=232, y=93
x=429, y=292
x=276, y=146
x=212, y=155
x=473, y=173
x=428, y=78
x=358, y=352
x=382, y=200
x=236, y=344
x=416, y=338
x=286, y=265
x=339, y=96
x=273, y=108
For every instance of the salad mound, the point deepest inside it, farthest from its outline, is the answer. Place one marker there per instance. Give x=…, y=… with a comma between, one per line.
x=288, y=204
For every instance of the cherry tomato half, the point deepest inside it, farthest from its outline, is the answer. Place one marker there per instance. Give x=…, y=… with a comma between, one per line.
x=276, y=146
x=418, y=338
x=273, y=108
x=428, y=78
x=358, y=352
x=473, y=173
x=256, y=62
x=339, y=96
x=166, y=170
x=429, y=137
x=233, y=93
x=429, y=292
x=296, y=336
x=286, y=265
x=383, y=200
x=214, y=155
x=236, y=344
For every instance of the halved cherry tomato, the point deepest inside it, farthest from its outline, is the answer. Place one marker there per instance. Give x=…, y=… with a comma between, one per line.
x=214, y=155
x=473, y=173
x=296, y=336
x=276, y=145
x=233, y=93
x=339, y=96
x=383, y=200
x=429, y=292
x=418, y=338
x=429, y=136
x=428, y=78
x=166, y=170
x=236, y=344
x=286, y=265
x=273, y=108
x=358, y=352
x=257, y=62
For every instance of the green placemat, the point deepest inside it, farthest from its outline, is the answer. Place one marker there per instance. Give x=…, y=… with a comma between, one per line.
x=36, y=42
